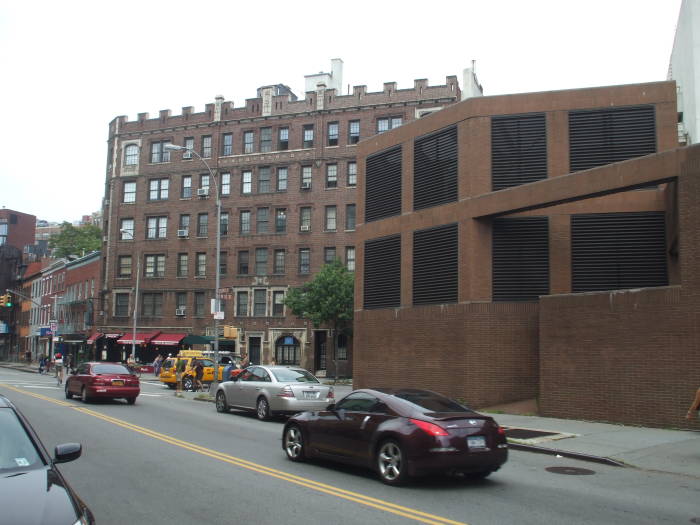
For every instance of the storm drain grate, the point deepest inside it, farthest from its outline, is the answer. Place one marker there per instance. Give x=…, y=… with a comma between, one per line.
x=526, y=433
x=570, y=471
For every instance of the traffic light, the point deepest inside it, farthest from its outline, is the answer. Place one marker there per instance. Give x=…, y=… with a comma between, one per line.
x=6, y=300
x=230, y=332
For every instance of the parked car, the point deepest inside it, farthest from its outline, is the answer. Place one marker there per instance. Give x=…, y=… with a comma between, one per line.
x=168, y=375
x=272, y=390
x=400, y=433
x=32, y=489
x=104, y=380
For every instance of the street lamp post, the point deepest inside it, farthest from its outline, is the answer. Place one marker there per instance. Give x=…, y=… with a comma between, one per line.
x=217, y=301
x=136, y=299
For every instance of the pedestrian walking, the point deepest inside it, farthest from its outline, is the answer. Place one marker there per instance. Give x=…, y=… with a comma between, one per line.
x=58, y=365
x=198, y=376
x=694, y=407
x=42, y=363
x=179, y=370
x=157, y=364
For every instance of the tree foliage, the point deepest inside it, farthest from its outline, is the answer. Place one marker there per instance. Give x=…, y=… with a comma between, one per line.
x=76, y=240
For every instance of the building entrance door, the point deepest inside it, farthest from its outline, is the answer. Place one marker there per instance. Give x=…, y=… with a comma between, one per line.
x=320, y=344
x=254, y=350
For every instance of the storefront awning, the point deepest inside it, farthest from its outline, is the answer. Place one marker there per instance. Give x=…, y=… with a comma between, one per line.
x=167, y=339
x=195, y=340
x=222, y=341
x=141, y=338
x=73, y=338
x=94, y=337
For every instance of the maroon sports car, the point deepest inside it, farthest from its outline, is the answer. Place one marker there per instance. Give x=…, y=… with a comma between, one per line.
x=105, y=380
x=400, y=433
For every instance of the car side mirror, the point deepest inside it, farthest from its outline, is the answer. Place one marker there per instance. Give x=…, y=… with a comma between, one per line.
x=67, y=452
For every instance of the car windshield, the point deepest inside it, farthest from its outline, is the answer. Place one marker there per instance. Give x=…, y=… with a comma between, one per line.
x=110, y=369
x=431, y=402
x=293, y=375
x=17, y=451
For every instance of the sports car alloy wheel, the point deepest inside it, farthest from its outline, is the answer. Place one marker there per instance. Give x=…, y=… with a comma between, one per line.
x=263, y=409
x=221, y=405
x=294, y=443
x=390, y=463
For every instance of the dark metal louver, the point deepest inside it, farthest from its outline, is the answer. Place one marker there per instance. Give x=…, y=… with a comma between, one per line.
x=603, y=136
x=382, y=281
x=435, y=169
x=518, y=150
x=383, y=185
x=612, y=251
x=520, y=249
x=435, y=265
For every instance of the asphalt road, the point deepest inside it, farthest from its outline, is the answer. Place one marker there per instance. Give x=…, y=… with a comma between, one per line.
x=177, y=461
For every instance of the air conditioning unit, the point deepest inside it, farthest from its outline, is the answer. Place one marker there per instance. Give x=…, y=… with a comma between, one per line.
x=182, y=233
x=203, y=192
x=305, y=185
x=305, y=227
x=180, y=311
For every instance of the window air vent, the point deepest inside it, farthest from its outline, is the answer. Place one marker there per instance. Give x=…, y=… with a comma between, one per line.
x=435, y=169
x=518, y=150
x=383, y=185
x=382, y=286
x=435, y=265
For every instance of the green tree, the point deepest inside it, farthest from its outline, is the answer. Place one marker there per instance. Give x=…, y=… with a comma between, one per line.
x=327, y=299
x=72, y=240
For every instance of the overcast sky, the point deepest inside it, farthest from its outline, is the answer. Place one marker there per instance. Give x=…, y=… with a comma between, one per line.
x=69, y=67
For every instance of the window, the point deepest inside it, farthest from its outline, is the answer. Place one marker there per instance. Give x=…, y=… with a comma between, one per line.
x=329, y=255
x=248, y=142
x=155, y=266
x=121, y=305
x=242, y=304
x=305, y=177
x=200, y=268
x=225, y=184
x=350, y=258
x=279, y=261
x=184, y=223
x=352, y=173
x=206, y=146
x=247, y=182
x=280, y=220
x=350, y=217
x=332, y=133
x=308, y=136
x=341, y=352
x=304, y=260
x=159, y=153
x=265, y=140
x=331, y=218
x=223, y=263
x=305, y=218
x=278, y=304
x=158, y=189
x=181, y=300
x=227, y=144
x=283, y=139
x=129, y=192
x=281, y=179
x=126, y=229
x=189, y=144
x=202, y=224
x=353, y=132
x=124, y=266
x=259, y=303
x=223, y=225
x=204, y=182
x=186, y=192
x=262, y=220
x=264, y=180
x=331, y=176
x=157, y=227
x=260, y=261
x=245, y=222
x=199, y=303
x=131, y=155
x=387, y=123
x=182, y=262
x=243, y=259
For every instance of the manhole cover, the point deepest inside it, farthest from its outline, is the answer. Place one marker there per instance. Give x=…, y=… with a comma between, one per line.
x=526, y=433
x=571, y=471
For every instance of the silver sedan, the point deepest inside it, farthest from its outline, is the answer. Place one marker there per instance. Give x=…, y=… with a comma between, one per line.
x=271, y=390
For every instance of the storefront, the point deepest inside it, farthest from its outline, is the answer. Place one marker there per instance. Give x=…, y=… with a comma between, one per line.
x=139, y=343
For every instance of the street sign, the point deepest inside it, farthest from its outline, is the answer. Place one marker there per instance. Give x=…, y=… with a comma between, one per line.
x=53, y=325
x=218, y=315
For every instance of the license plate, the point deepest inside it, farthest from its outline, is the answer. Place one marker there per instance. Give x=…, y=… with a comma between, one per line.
x=118, y=382
x=311, y=394
x=476, y=442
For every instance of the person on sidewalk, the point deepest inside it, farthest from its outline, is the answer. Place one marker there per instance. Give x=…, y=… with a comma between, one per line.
x=198, y=376
x=179, y=370
x=58, y=363
x=693, y=410
x=42, y=364
x=156, y=365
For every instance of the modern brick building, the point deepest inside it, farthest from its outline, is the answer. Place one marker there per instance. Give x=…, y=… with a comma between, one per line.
x=537, y=245
x=286, y=171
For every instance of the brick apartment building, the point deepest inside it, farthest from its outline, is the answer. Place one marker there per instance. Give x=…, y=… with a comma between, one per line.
x=538, y=245
x=286, y=171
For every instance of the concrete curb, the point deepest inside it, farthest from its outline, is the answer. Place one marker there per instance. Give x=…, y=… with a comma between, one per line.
x=566, y=454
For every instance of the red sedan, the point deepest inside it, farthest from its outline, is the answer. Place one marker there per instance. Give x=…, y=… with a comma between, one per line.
x=105, y=380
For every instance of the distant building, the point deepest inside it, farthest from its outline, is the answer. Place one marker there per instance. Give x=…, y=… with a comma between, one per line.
x=685, y=70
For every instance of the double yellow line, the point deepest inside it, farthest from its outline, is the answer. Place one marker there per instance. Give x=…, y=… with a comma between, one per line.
x=422, y=517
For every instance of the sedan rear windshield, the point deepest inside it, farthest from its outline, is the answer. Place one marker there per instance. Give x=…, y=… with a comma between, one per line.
x=17, y=450
x=289, y=375
x=110, y=369
x=431, y=402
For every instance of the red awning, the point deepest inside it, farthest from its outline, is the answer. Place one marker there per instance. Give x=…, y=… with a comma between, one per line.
x=168, y=339
x=140, y=338
x=94, y=337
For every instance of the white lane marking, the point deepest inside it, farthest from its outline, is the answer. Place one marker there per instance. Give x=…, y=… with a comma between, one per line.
x=151, y=395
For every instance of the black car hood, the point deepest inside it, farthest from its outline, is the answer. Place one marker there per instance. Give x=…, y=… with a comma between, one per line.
x=36, y=497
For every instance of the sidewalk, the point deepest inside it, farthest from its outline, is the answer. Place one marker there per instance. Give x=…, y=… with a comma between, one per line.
x=673, y=451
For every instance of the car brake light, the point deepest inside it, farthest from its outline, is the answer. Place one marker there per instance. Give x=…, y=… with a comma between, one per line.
x=331, y=394
x=501, y=430
x=98, y=381
x=430, y=428
x=286, y=392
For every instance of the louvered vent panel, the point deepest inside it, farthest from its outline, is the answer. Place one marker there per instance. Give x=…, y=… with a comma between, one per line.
x=435, y=271
x=435, y=169
x=602, y=136
x=382, y=285
x=383, y=185
x=518, y=150
x=520, y=258
x=612, y=251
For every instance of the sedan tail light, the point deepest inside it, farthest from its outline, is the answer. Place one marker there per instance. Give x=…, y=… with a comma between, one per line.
x=286, y=392
x=430, y=428
x=99, y=381
x=331, y=394
x=501, y=431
